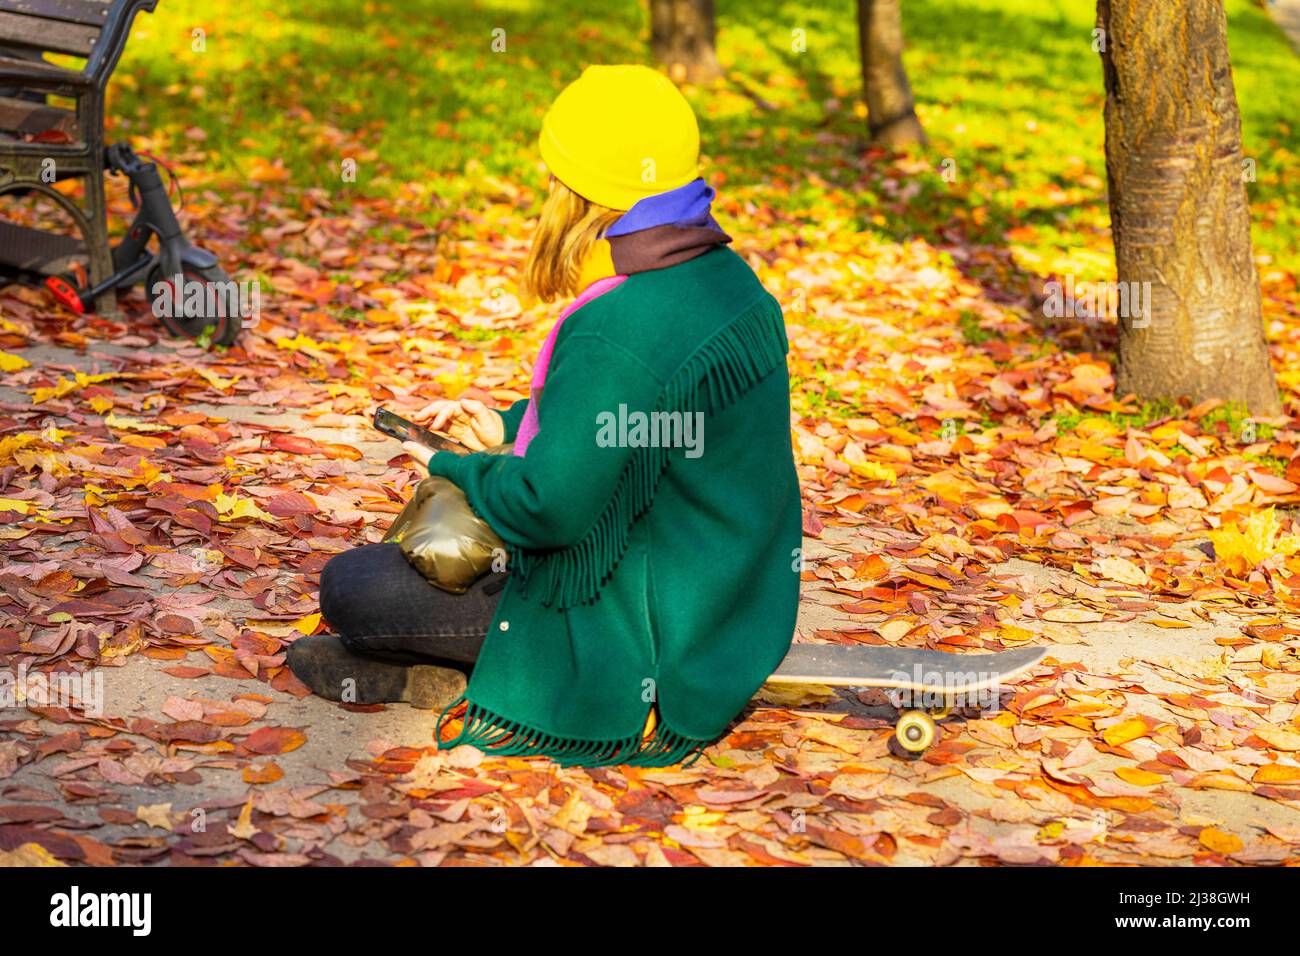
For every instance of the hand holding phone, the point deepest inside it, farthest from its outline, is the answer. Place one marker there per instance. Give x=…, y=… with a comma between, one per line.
x=398, y=427
x=466, y=420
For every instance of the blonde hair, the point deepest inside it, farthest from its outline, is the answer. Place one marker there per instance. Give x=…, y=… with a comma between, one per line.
x=567, y=229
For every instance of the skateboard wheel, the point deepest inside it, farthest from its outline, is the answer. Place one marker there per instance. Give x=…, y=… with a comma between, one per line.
x=939, y=713
x=915, y=731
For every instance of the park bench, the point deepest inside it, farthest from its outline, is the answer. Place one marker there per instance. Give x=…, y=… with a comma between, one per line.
x=41, y=142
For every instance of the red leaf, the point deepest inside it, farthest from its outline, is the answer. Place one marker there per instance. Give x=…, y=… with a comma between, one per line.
x=289, y=503
x=294, y=444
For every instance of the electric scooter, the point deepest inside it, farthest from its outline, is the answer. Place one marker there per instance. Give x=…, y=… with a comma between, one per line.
x=176, y=259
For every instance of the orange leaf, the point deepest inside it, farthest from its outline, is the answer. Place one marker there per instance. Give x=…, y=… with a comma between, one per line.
x=1125, y=731
x=1277, y=773
x=268, y=772
x=335, y=450
x=1139, y=778
x=274, y=740
x=1220, y=842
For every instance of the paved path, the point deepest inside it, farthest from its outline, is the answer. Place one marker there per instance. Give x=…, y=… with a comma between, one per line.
x=133, y=793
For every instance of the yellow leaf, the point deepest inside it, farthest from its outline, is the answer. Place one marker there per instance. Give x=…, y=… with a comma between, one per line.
x=1125, y=731
x=13, y=504
x=1219, y=780
x=29, y=854
x=63, y=387
x=307, y=625
x=243, y=828
x=1138, y=777
x=948, y=486
x=1169, y=432
x=1010, y=634
x=143, y=475
x=697, y=817
x=156, y=815
x=12, y=444
x=134, y=424
x=1122, y=570
x=453, y=383
x=1254, y=542
x=1277, y=773
x=45, y=461
x=794, y=695
x=12, y=363
x=131, y=642
x=66, y=386
x=232, y=508
x=1093, y=451
x=1071, y=615
x=335, y=389
x=302, y=343
x=874, y=471
x=990, y=508
x=1220, y=842
x=215, y=380
x=894, y=631
x=1279, y=738
x=991, y=732
x=1168, y=623
x=1096, y=428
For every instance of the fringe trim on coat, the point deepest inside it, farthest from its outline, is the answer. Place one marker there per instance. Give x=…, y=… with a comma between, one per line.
x=498, y=736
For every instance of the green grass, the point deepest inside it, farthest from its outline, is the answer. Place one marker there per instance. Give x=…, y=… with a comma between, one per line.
x=1234, y=417
x=1009, y=91
x=1147, y=414
x=1227, y=420
x=969, y=324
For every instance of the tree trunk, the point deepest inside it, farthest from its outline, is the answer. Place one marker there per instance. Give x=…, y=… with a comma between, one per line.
x=1178, y=206
x=891, y=111
x=681, y=38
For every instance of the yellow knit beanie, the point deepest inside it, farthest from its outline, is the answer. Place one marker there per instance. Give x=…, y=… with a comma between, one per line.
x=618, y=134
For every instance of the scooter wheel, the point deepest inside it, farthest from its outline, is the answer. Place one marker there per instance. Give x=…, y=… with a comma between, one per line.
x=184, y=315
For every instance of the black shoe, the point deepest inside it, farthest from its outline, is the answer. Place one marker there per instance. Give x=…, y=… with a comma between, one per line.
x=331, y=671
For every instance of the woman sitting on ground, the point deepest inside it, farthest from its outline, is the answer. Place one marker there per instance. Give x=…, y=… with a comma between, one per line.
x=650, y=505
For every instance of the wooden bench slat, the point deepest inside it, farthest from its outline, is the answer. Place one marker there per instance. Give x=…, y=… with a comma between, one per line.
x=11, y=67
x=91, y=13
x=55, y=36
x=28, y=118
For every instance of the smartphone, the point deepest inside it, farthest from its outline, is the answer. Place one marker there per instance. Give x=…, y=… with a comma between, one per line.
x=403, y=430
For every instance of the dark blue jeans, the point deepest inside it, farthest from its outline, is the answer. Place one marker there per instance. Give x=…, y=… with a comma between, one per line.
x=381, y=607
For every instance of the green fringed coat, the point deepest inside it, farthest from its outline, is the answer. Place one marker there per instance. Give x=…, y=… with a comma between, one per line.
x=642, y=576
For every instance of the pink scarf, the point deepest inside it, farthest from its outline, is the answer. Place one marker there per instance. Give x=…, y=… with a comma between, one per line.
x=528, y=425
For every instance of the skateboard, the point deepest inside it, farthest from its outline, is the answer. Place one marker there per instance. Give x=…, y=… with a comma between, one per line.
x=927, y=684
